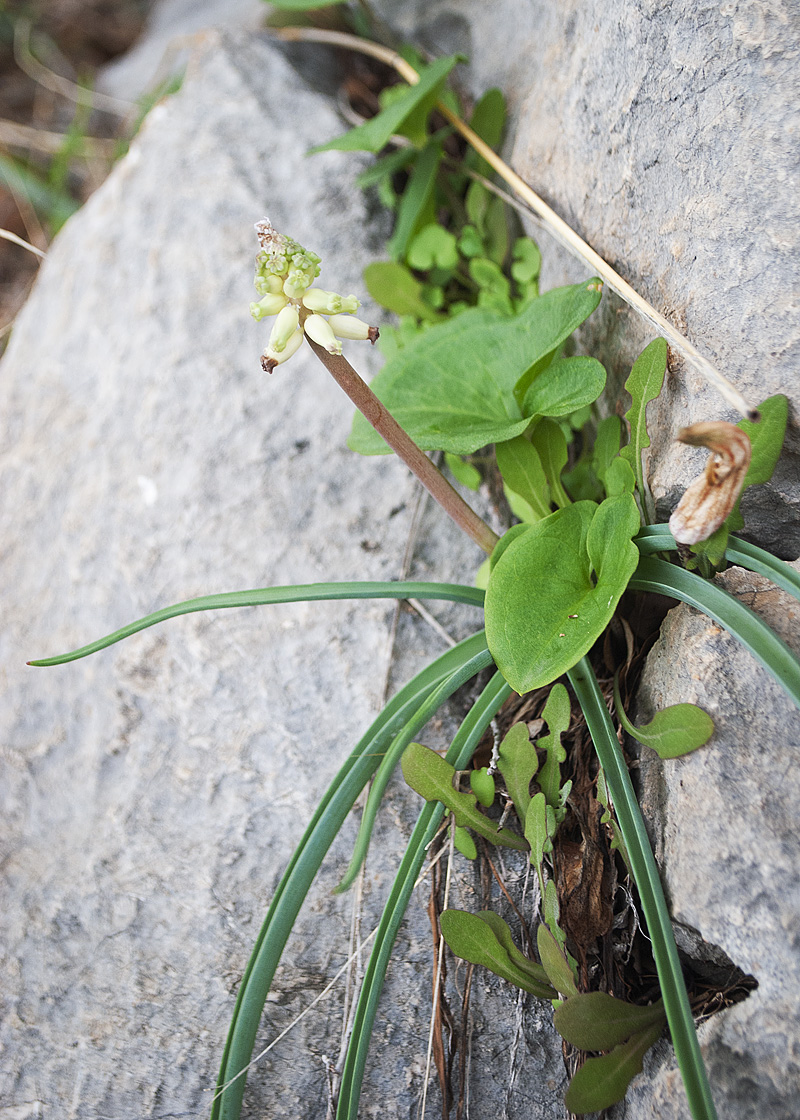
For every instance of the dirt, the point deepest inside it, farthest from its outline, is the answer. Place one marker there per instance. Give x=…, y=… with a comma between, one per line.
x=51, y=164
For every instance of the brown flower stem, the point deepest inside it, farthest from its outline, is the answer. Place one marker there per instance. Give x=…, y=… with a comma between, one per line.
x=400, y=442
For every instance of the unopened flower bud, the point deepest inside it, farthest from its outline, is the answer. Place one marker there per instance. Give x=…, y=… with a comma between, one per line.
x=347, y=326
x=269, y=305
x=269, y=284
x=285, y=326
x=711, y=497
x=320, y=330
x=296, y=283
x=271, y=358
x=329, y=303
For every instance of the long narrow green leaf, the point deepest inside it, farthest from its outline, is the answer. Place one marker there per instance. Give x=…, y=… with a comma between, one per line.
x=739, y=620
x=657, y=538
x=297, y=593
x=461, y=750
x=645, y=874
x=390, y=760
x=325, y=824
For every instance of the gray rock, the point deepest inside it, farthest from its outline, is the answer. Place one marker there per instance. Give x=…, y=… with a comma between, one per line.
x=154, y=793
x=724, y=821
x=164, y=47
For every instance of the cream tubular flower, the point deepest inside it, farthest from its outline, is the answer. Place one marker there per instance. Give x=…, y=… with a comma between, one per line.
x=269, y=305
x=347, y=326
x=320, y=331
x=271, y=358
x=711, y=497
x=329, y=303
x=285, y=325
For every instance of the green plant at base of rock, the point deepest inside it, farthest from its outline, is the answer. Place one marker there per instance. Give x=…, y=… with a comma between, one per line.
x=598, y=549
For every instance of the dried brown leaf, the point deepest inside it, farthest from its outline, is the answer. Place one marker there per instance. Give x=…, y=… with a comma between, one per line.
x=711, y=497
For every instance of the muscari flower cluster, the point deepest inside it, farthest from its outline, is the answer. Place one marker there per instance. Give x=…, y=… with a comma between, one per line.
x=285, y=272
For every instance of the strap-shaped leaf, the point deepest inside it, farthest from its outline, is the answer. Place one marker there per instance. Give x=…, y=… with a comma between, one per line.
x=374, y=134
x=303, y=866
x=462, y=749
x=270, y=596
x=651, y=894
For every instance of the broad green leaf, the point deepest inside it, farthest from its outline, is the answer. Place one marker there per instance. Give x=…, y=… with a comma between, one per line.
x=551, y=446
x=619, y=478
x=606, y=444
x=520, y=508
x=474, y=940
x=527, y=261
x=766, y=440
x=453, y=389
x=431, y=777
x=470, y=243
x=555, y=962
x=503, y=934
x=518, y=762
x=464, y=843
x=476, y=201
x=556, y=715
x=544, y=611
x=673, y=731
x=394, y=287
x=482, y=785
x=463, y=471
x=644, y=384
x=432, y=247
x=609, y=541
x=540, y=827
x=564, y=386
x=506, y=539
x=416, y=199
x=601, y=1082
x=495, y=289
x=496, y=226
x=592, y=291
x=374, y=134
x=521, y=468
x=598, y=1021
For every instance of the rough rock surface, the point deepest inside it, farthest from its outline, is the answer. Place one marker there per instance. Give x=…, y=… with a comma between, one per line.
x=153, y=794
x=725, y=827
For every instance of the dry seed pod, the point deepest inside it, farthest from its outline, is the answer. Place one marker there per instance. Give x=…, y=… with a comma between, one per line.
x=712, y=496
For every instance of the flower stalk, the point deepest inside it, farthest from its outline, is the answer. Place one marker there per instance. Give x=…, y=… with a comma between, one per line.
x=401, y=443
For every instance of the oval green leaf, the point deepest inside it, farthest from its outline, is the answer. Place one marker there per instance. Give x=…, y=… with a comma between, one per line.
x=601, y=1082
x=598, y=1021
x=544, y=606
x=453, y=388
